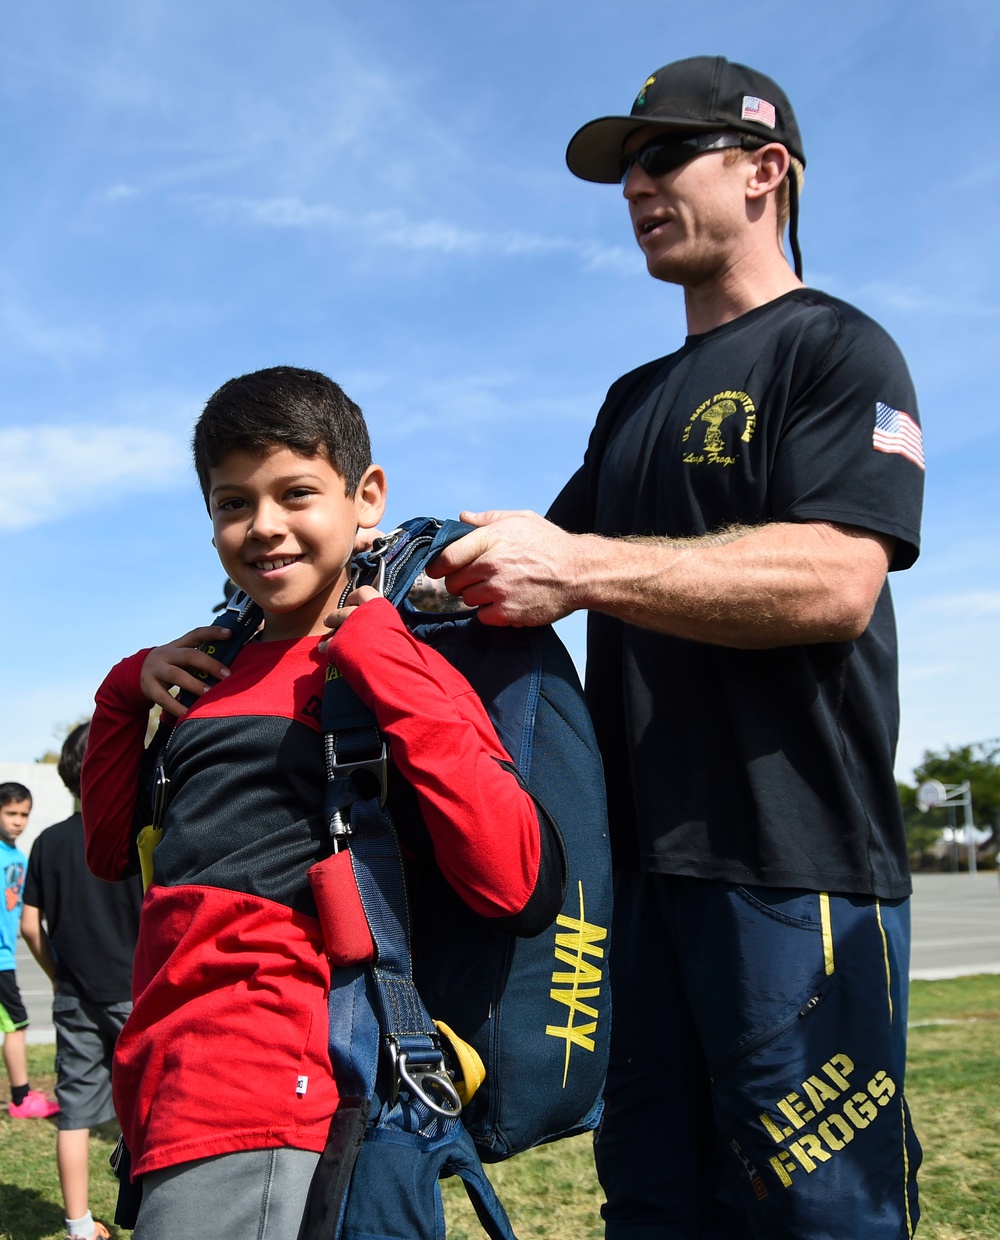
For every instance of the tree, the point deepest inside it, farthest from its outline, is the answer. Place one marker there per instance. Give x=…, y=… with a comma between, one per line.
x=923, y=831
x=978, y=763
x=60, y=732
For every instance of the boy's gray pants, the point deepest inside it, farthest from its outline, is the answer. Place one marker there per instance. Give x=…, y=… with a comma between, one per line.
x=249, y=1195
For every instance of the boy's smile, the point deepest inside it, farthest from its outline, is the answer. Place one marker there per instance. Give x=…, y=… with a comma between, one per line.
x=13, y=819
x=284, y=528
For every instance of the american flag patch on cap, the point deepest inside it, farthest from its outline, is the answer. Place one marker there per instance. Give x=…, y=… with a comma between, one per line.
x=896, y=431
x=759, y=110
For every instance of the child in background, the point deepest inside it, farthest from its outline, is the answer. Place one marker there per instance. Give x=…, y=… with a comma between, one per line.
x=86, y=947
x=26, y=1103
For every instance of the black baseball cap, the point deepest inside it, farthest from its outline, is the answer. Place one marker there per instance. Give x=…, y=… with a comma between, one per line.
x=698, y=95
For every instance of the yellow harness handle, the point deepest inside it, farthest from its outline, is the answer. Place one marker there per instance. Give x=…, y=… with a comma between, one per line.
x=470, y=1066
x=146, y=841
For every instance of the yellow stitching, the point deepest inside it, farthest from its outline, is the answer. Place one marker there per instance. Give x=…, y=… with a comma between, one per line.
x=906, y=1171
x=827, y=927
x=885, y=957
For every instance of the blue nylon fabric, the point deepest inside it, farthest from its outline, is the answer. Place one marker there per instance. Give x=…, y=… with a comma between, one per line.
x=403, y=561
x=342, y=709
x=242, y=617
x=378, y=870
x=355, y=1037
x=395, y=1194
x=544, y=1074
x=394, y=1191
x=537, y=1010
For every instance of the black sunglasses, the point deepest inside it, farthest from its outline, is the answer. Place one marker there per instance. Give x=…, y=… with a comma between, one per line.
x=663, y=155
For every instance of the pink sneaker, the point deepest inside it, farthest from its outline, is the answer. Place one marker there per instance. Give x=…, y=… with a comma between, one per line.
x=34, y=1106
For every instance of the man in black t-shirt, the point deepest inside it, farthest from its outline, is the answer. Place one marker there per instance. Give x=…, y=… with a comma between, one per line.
x=82, y=931
x=730, y=532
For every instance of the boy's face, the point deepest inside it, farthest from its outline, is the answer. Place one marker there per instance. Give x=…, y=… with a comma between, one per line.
x=13, y=819
x=285, y=531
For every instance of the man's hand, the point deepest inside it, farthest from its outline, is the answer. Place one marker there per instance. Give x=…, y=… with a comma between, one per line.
x=780, y=584
x=516, y=567
x=174, y=665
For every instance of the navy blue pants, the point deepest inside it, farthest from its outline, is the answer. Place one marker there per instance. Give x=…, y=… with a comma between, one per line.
x=757, y=1061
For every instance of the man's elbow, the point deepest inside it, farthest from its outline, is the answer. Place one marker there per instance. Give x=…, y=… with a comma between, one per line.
x=851, y=586
x=848, y=613
x=848, y=628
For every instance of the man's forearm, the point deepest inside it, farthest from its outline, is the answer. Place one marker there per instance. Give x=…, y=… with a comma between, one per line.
x=750, y=587
x=747, y=587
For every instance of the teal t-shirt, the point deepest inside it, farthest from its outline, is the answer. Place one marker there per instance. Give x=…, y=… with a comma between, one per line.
x=13, y=867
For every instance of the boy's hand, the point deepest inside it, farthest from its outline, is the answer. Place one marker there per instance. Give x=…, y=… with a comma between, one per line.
x=335, y=619
x=174, y=665
x=364, y=540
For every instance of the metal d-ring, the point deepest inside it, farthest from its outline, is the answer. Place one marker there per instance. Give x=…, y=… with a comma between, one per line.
x=438, y=1079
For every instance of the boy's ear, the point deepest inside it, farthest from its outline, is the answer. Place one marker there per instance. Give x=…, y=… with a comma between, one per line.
x=369, y=498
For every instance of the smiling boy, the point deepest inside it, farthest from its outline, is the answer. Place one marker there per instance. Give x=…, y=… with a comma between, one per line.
x=222, y=1080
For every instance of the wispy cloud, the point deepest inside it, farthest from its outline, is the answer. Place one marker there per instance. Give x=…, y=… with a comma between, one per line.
x=53, y=471
x=395, y=228
x=25, y=329
x=120, y=191
x=973, y=605
x=925, y=300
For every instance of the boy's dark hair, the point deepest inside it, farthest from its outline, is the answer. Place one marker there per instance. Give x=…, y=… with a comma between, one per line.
x=13, y=791
x=287, y=407
x=71, y=758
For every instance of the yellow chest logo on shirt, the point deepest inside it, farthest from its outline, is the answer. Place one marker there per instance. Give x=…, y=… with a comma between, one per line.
x=716, y=427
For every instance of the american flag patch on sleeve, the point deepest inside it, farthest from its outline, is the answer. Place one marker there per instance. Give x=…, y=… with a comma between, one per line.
x=758, y=110
x=896, y=431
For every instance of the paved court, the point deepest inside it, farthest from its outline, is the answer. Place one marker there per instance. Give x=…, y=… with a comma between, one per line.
x=36, y=991
x=956, y=931
x=956, y=925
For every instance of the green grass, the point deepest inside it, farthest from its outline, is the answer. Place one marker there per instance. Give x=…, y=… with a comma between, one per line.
x=953, y=1085
x=30, y=1201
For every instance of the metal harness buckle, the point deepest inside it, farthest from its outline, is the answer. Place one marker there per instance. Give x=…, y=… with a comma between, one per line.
x=340, y=826
x=161, y=785
x=378, y=584
x=423, y=1078
x=239, y=604
x=378, y=766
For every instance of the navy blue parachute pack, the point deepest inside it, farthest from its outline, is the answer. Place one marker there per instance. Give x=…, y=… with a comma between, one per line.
x=451, y=999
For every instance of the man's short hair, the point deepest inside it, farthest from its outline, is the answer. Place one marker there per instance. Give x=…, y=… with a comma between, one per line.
x=782, y=195
x=13, y=791
x=283, y=406
x=71, y=757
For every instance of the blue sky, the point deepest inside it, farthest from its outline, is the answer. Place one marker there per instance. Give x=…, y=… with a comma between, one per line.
x=194, y=190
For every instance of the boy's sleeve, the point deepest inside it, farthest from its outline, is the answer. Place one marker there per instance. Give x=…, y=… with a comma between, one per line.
x=109, y=780
x=487, y=836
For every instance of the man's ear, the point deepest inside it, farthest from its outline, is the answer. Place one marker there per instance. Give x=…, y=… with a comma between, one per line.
x=369, y=498
x=771, y=164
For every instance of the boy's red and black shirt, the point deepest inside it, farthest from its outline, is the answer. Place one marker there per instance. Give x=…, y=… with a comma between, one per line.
x=227, y=1046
